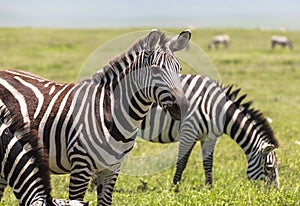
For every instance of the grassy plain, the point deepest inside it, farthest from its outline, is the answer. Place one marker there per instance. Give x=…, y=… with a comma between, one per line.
x=271, y=78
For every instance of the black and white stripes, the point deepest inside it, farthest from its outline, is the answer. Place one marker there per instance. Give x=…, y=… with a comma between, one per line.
x=89, y=127
x=213, y=111
x=23, y=165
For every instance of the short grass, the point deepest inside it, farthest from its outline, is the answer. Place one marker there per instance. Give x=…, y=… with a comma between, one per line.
x=271, y=78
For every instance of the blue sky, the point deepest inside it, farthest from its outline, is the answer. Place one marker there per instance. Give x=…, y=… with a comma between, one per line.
x=154, y=13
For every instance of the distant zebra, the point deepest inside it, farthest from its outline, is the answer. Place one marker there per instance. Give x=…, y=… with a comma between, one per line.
x=281, y=40
x=24, y=166
x=220, y=39
x=89, y=127
x=213, y=111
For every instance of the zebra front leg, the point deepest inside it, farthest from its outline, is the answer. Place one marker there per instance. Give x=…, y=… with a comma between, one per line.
x=79, y=180
x=208, y=147
x=3, y=185
x=186, y=145
x=106, y=180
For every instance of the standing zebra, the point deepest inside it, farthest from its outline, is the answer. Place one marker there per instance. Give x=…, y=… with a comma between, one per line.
x=281, y=40
x=220, y=39
x=89, y=127
x=213, y=111
x=24, y=166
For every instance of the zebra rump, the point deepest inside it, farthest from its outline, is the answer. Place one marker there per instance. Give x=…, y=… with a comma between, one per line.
x=24, y=165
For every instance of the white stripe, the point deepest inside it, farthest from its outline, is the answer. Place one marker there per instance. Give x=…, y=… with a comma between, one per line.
x=241, y=126
x=47, y=84
x=205, y=98
x=27, y=75
x=93, y=115
x=20, y=98
x=231, y=122
x=79, y=112
x=2, y=128
x=36, y=92
x=64, y=160
x=52, y=90
x=101, y=111
x=8, y=148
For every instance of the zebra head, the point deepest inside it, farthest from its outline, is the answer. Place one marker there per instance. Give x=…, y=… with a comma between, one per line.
x=161, y=82
x=263, y=166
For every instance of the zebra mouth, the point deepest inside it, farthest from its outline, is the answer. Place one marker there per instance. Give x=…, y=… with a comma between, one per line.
x=174, y=110
x=177, y=105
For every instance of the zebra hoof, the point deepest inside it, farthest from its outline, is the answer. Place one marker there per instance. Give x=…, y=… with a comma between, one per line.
x=175, y=187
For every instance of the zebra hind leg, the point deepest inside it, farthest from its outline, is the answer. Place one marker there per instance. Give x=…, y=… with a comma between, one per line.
x=208, y=147
x=106, y=180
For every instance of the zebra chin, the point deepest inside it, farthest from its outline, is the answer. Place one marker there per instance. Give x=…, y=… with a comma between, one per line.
x=176, y=111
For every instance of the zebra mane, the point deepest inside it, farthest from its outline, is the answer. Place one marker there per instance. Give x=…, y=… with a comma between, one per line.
x=109, y=70
x=255, y=115
x=17, y=128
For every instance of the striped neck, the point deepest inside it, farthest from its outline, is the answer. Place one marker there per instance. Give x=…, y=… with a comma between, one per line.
x=247, y=127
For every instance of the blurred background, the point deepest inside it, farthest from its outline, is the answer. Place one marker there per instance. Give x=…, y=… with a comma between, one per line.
x=264, y=14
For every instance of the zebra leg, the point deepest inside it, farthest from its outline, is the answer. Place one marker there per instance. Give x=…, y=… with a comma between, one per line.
x=3, y=185
x=106, y=180
x=208, y=147
x=79, y=180
x=186, y=145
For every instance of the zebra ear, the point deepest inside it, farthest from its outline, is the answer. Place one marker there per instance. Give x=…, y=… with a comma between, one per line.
x=153, y=39
x=181, y=41
x=268, y=148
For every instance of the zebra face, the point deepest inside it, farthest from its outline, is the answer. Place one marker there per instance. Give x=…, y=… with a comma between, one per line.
x=264, y=167
x=270, y=167
x=162, y=80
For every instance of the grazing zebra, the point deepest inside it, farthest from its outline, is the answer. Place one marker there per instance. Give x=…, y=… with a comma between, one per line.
x=220, y=39
x=213, y=111
x=89, y=127
x=281, y=40
x=24, y=166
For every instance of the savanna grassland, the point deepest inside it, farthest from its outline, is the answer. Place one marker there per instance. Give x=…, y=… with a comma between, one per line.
x=271, y=78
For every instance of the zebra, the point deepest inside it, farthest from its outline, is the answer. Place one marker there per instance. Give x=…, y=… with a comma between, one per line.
x=281, y=40
x=24, y=166
x=215, y=110
x=89, y=127
x=219, y=39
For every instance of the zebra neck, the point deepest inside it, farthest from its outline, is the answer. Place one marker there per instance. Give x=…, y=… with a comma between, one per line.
x=243, y=130
x=129, y=105
x=118, y=106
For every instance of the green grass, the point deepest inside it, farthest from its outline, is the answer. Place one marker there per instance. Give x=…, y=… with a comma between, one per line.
x=271, y=78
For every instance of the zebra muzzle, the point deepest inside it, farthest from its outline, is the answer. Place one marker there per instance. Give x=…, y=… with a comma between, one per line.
x=177, y=108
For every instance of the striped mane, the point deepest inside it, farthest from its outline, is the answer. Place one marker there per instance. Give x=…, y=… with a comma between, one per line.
x=110, y=70
x=255, y=115
x=17, y=128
